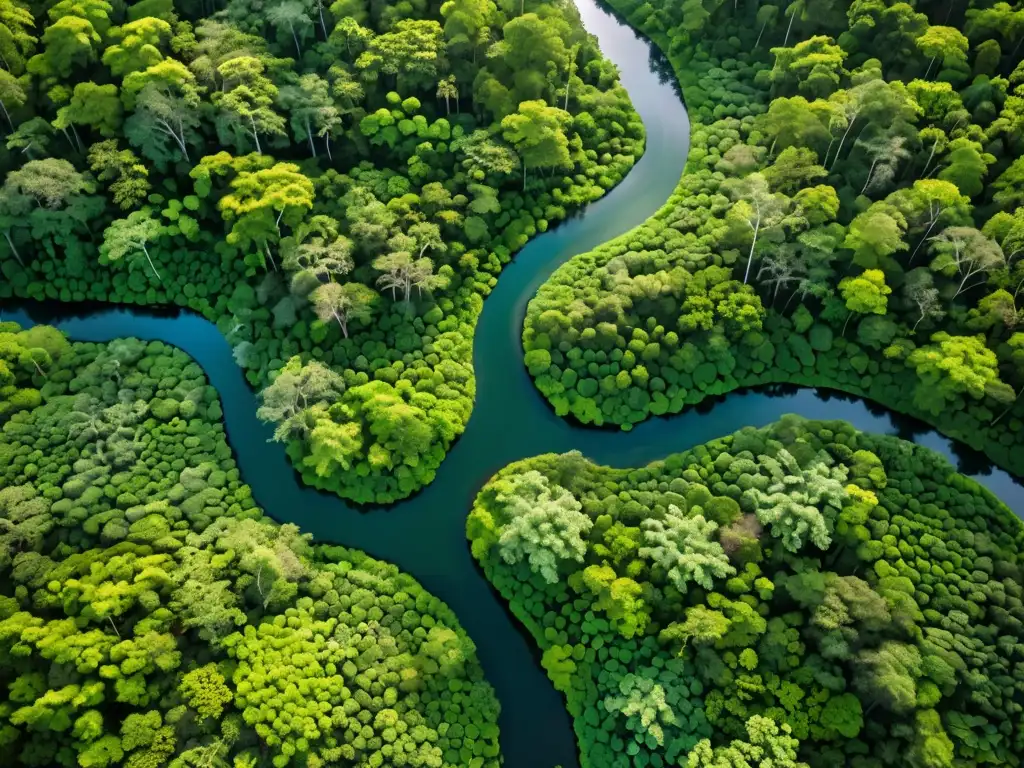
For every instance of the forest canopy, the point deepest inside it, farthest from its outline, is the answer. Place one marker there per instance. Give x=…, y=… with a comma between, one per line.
x=850, y=217
x=336, y=185
x=150, y=615
x=799, y=595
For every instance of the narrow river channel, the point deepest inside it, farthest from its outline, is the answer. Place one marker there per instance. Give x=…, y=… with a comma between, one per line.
x=425, y=536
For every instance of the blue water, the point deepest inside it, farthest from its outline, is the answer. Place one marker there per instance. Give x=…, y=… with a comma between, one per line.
x=425, y=535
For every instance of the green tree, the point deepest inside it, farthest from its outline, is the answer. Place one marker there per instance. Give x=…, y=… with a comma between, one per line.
x=136, y=45
x=166, y=113
x=768, y=745
x=343, y=303
x=127, y=177
x=12, y=95
x=876, y=235
x=952, y=366
x=130, y=237
x=260, y=201
x=945, y=43
x=888, y=676
x=800, y=503
x=293, y=17
x=412, y=51
x=865, y=294
x=295, y=389
x=541, y=524
x=684, y=547
x=245, y=106
x=537, y=132
x=312, y=109
x=967, y=254
x=50, y=182
x=95, y=106
x=16, y=41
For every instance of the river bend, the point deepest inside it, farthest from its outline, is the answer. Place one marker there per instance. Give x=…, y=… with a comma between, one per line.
x=425, y=535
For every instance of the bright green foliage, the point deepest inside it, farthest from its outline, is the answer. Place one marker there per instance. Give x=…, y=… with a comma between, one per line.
x=641, y=701
x=684, y=547
x=952, y=366
x=890, y=641
x=800, y=502
x=767, y=746
x=204, y=690
x=537, y=131
x=851, y=164
x=386, y=120
x=128, y=178
x=543, y=525
x=155, y=617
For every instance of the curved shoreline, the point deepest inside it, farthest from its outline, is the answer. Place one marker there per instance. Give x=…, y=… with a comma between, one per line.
x=425, y=535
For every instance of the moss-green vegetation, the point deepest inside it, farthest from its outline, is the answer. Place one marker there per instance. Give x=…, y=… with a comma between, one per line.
x=850, y=217
x=803, y=592
x=333, y=182
x=150, y=615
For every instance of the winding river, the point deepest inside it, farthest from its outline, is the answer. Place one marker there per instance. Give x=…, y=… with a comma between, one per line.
x=425, y=535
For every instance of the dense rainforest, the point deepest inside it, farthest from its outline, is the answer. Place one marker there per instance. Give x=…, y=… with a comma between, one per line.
x=150, y=615
x=850, y=217
x=793, y=596
x=336, y=185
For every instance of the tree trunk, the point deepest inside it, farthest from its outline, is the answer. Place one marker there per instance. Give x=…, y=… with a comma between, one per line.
x=255, y=135
x=78, y=140
x=846, y=133
x=750, y=257
x=1008, y=408
x=309, y=135
x=327, y=144
x=266, y=249
x=14, y=251
x=298, y=48
x=789, y=28
x=7, y=115
x=151, y=266
x=758, y=41
x=320, y=8
x=850, y=315
x=924, y=237
x=871, y=172
x=929, y=70
x=342, y=323
x=931, y=156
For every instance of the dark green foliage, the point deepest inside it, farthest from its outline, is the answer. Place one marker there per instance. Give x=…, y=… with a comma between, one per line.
x=847, y=170
x=333, y=182
x=874, y=623
x=150, y=614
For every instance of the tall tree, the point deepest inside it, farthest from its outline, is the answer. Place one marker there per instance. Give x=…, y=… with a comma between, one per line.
x=965, y=253
x=130, y=237
x=246, y=104
x=291, y=16
x=759, y=208
x=261, y=201
x=343, y=303
x=537, y=132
